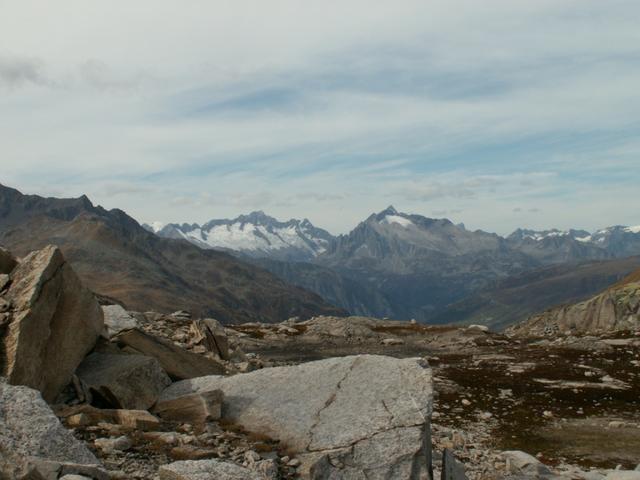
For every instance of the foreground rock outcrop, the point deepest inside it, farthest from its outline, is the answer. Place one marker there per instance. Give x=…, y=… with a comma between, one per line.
x=53, y=323
x=30, y=433
x=362, y=416
x=123, y=381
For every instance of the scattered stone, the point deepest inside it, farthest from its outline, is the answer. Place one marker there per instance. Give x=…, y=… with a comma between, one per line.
x=206, y=470
x=190, y=452
x=195, y=408
x=522, y=463
x=123, y=381
x=179, y=363
x=211, y=334
x=617, y=424
x=110, y=445
x=48, y=302
x=52, y=470
x=116, y=320
x=480, y=328
x=392, y=341
x=132, y=419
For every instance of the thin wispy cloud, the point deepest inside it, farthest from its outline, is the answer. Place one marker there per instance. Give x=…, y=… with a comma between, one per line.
x=501, y=113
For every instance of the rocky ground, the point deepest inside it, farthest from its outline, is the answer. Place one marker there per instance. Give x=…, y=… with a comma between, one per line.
x=571, y=402
x=170, y=397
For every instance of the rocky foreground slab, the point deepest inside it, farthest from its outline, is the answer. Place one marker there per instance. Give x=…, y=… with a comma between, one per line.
x=343, y=417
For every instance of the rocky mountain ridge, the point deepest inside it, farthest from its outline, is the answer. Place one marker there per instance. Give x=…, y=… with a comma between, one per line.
x=114, y=256
x=617, y=308
x=260, y=235
x=408, y=266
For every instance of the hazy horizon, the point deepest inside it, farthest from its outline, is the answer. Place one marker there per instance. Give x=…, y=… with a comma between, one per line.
x=494, y=114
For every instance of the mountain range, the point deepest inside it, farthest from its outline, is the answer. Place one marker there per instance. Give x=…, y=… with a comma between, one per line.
x=261, y=236
x=119, y=259
x=257, y=235
x=409, y=266
x=391, y=265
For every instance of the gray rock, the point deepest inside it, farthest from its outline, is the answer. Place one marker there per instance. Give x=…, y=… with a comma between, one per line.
x=451, y=468
x=623, y=475
x=75, y=477
x=29, y=429
x=52, y=470
x=522, y=463
x=123, y=381
x=110, y=445
x=211, y=334
x=206, y=470
x=194, y=408
x=179, y=363
x=341, y=416
x=49, y=302
x=116, y=320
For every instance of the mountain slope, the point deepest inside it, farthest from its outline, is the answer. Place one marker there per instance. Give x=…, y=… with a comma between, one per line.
x=116, y=257
x=617, y=308
x=516, y=298
x=356, y=297
x=419, y=264
x=257, y=235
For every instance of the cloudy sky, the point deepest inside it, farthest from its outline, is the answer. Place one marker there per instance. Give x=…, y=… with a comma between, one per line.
x=497, y=113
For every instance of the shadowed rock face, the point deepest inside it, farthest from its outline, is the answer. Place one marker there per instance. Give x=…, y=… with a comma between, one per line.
x=7, y=261
x=341, y=415
x=123, y=381
x=54, y=322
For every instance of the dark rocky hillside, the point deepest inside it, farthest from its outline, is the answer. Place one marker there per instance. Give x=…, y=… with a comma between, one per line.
x=116, y=257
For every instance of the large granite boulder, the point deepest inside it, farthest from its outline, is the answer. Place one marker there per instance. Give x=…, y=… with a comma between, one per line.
x=206, y=470
x=123, y=381
x=29, y=432
x=363, y=416
x=179, y=363
x=53, y=323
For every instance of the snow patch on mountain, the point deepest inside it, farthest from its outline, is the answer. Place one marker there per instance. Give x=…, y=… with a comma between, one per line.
x=257, y=235
x=402, y=221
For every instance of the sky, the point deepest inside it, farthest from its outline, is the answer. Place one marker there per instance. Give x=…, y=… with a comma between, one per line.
x=499, y=114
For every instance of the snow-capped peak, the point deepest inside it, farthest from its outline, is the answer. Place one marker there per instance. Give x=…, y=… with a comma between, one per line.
x=635, y=229
x=257, y=234
x=154, y=227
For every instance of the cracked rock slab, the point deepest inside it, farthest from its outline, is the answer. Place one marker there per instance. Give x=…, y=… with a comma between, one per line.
x=369, y=411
